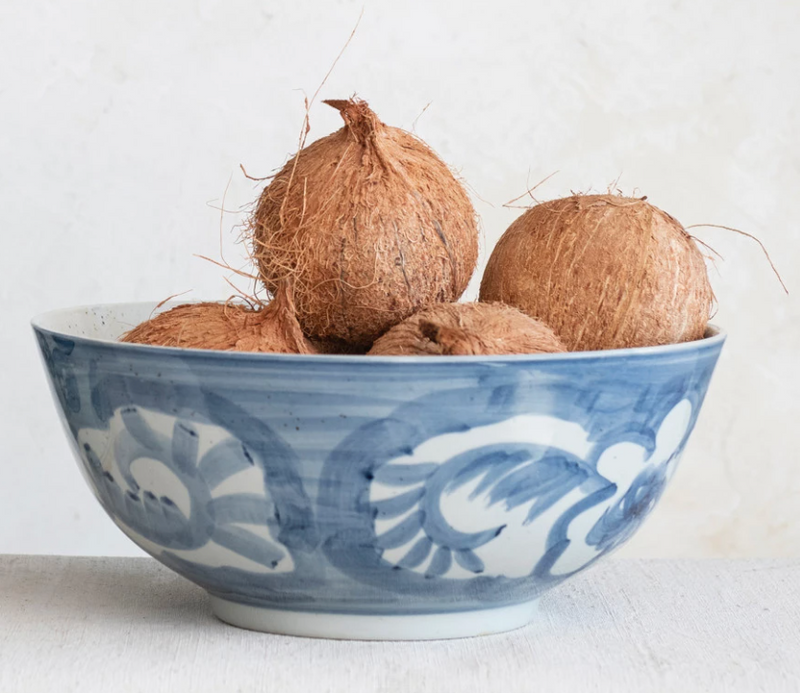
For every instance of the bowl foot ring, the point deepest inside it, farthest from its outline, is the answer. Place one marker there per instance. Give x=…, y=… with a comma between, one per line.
x=438, y=626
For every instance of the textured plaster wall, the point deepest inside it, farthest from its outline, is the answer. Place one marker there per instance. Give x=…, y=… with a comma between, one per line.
x=122, y=124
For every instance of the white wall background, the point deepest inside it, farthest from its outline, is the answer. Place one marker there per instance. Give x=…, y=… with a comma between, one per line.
x=121, y=121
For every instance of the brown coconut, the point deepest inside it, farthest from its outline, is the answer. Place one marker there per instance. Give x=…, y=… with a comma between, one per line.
x=371, y=225
x=467, y=329
x=338, y=347
x=227, y=327
x=604, y=272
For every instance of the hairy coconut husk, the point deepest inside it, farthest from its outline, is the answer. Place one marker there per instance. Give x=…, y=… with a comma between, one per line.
x=227, y=327
x=467, y=329
x=338, y=346
x=604, y=272
x=371, y=225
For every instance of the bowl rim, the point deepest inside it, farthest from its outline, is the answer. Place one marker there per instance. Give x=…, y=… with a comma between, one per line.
x=714, y=338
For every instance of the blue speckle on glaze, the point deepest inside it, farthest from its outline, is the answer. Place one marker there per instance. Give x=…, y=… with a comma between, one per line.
x=354, y=424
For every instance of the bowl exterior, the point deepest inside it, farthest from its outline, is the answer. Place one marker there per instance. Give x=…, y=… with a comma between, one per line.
x=376, y=486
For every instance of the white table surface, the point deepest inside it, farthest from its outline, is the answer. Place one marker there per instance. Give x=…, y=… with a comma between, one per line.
x=128, y=624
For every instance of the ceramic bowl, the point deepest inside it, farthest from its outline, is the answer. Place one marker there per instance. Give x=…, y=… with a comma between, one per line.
x=371, y=497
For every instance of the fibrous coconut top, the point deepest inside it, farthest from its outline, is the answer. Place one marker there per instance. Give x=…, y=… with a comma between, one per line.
x=227, y=327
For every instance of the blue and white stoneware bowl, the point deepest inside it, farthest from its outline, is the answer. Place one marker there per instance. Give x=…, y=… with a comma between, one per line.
x=371, y=497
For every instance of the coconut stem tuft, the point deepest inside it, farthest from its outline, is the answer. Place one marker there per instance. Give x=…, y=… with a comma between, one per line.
x=359, y=118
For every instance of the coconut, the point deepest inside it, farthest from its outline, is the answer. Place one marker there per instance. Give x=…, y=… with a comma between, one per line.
x=338, y=346
x=604, y=272
x=467, y=329
x=228, y=327
x=371, y=225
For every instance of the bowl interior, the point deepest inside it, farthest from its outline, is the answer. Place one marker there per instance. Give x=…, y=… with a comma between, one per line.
x=108, y=322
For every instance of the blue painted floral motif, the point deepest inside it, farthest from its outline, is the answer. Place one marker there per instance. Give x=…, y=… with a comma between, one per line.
x=205, y=517
x=562, y=477
x=619, y=522
x=511, y=474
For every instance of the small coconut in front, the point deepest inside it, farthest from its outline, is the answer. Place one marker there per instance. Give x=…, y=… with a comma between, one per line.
x=228, y=327
x=467, y=329
x=604, y=272
x=371, y=226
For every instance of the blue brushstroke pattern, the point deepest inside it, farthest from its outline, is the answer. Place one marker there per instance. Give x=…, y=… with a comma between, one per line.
x=321, y=432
